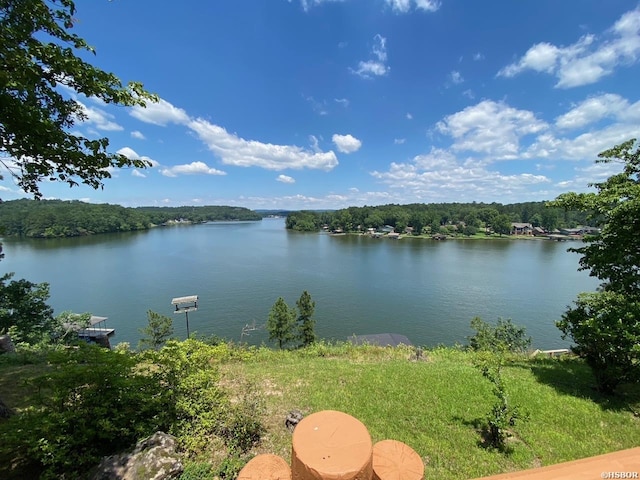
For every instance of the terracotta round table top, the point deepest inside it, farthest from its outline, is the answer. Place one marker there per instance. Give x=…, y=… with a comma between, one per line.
x=266, y=467
x=331, y=445
x=393, y=460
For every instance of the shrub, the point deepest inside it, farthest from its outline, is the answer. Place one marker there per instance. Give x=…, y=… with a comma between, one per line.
x=503, y=337
x=503, y=415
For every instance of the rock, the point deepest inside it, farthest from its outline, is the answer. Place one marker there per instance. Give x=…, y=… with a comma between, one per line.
x=154, y=458
x=6, y=345
x=293, y=418
x=5, y=412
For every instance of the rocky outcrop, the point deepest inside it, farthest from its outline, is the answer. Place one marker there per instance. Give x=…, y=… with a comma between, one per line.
x=154, y=458
x=6, y=345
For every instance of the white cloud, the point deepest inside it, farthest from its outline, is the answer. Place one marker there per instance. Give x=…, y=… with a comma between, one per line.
x=320, y=107
x=439, y=175
x=377, y=66
x=342, y=101
x=456, y=77
x=399, y=141
x=585, y=146
x=131, y=154
x=409, y=116
x=138, y=135
x=161, y=113
x=478, y=56
x=492, y=128
x=587, y=60
x=469, y=94
x=193, y=168
x=234, y=150
x=137, y=173
x=285, y=179
x=346, y=143
x=403, y=6
x=239, y=152
x=308, y=4
x=596, y=108
x=98, y=118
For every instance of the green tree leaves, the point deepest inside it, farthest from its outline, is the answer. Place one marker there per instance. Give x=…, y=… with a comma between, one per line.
x=24, y=310
x=158, y=330
x=606, y=325
x=306, y=323
x=285, y=326
x=281, y=322
x=39, y=53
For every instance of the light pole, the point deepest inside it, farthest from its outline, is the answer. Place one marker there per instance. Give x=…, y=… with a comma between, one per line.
x=185, y=304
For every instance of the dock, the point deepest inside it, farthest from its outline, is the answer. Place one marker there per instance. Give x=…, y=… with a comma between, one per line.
x=97, y=328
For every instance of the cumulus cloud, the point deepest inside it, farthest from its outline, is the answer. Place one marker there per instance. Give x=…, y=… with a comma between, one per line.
x=598, y=107
x=237, y=151
x=98, y=118
x=138, y=135
x=285, y=179
x=377, y=66
x=587, y=60
x=346, y=143
x=161, y=113
x=193, y=168
x=403, y=6
x=131, y=154
x=439, y=175
x=232, y=149
x=492, y=128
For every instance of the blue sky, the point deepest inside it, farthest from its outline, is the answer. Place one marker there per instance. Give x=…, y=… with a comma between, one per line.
x=316, y=104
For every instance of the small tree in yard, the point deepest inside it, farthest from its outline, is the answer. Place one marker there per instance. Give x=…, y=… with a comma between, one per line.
x=158, y=330
x=501, y=338
x=281, y=322
x=605, y=325
x=306, y=323
x=504, y=415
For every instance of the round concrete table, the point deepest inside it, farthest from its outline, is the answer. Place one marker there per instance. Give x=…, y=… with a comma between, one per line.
x=266, y=467
x=331, y=445
x=393, y=460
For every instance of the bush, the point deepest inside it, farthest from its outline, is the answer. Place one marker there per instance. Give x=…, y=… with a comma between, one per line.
x=91, y=403
x=503, y=337
x=503, y=416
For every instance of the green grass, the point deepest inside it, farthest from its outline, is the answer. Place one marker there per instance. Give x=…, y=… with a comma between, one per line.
x=437, y=405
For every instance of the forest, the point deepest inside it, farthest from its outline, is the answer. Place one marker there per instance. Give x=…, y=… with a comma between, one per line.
x=466, y=218
x=58, y=218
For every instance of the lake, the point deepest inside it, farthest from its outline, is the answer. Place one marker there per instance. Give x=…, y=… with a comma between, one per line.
x=424, y=289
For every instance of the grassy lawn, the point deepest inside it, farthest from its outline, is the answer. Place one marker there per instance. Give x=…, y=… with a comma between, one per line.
x=437, y=405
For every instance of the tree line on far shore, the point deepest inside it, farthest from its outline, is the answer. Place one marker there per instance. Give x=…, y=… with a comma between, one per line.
x=58, y=218
x=466, y=218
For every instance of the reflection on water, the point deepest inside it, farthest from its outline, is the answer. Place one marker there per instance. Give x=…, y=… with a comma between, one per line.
x=426, y=290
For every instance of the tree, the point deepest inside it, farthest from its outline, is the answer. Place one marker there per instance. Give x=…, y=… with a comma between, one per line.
x=605, y=324
x=306, y=323
x=504, y=337
x=158, y=330
x=502, y=224
x=24, y=311
x=606, y=329
x=37, y=139
x=281, y=322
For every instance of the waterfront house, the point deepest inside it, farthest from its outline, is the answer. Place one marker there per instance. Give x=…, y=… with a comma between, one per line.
x=521, y=228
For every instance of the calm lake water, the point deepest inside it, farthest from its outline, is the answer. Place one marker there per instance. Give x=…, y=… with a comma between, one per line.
x=426, y=290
